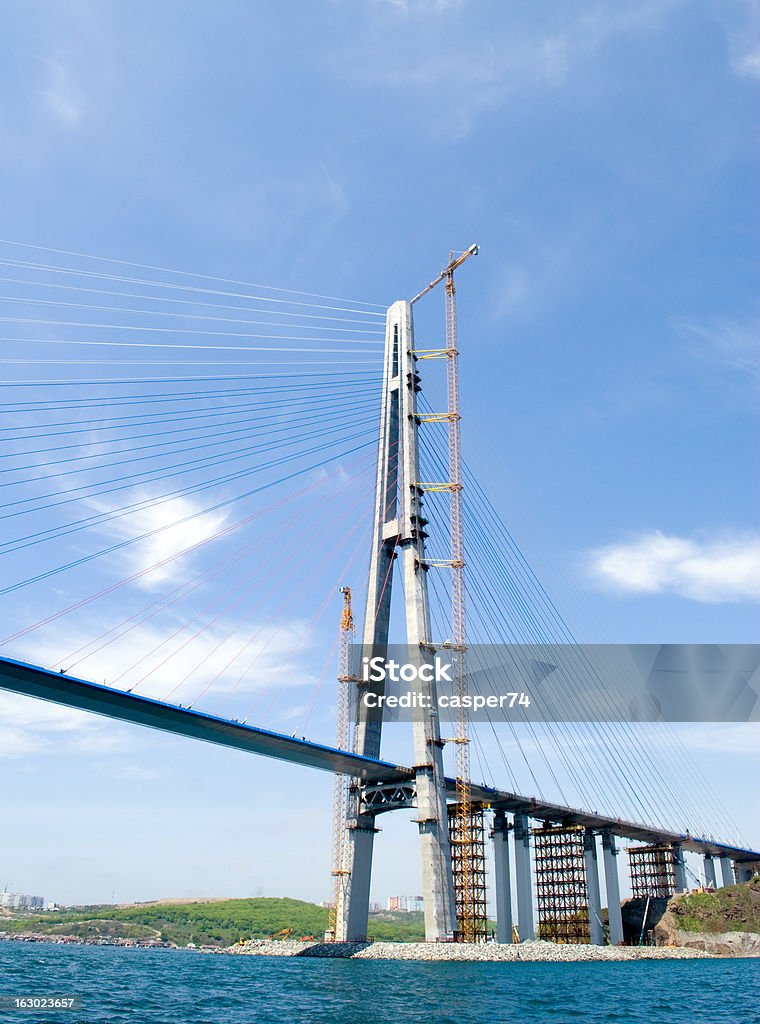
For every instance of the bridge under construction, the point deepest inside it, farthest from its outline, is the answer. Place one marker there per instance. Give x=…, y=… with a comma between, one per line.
x=385, y=787
x=557, y=865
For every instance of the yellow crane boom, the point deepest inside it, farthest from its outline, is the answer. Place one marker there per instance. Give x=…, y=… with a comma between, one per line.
x=344, y=741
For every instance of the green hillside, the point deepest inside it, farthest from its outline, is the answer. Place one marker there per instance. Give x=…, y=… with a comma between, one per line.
x=221, y=922
x=736, y=908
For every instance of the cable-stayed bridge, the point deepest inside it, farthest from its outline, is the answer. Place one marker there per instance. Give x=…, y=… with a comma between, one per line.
x=388, y=786
x=103, y=519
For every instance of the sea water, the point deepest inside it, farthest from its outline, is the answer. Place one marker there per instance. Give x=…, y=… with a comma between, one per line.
x=141, y=986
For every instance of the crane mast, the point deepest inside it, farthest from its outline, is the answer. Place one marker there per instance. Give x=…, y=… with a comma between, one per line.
x=465, y=819
x=466, y=828
x=344, y=741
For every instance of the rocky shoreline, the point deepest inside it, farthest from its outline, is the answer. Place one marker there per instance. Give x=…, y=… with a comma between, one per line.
x=90, y=940
x=444, y=951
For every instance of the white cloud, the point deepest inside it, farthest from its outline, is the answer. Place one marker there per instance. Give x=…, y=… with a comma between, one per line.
x=738, y=738
x=747, y=65
x=172, y=654
x=174, y=527
x=159, y=661
x=157, y=529
x=711, y=571
x=33, y=727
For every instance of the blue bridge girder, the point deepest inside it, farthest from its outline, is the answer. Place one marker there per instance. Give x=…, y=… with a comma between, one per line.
x=60, y=688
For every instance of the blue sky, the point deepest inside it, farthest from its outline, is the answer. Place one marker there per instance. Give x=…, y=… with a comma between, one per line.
x=603, y=155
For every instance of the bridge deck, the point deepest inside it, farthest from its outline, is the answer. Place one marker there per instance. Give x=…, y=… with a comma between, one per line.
x=59, y=688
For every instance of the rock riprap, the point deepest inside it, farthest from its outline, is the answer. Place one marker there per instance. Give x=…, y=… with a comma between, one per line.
x=485, y=952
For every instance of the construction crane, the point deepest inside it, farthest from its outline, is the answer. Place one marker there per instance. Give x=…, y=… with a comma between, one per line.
x=344, y=741
x=467, y=826
x=466, y=830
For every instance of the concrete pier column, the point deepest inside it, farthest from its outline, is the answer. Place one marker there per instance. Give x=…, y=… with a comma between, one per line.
x=710, y=879
x=679, y=869
x=523, y=879
x=612, y=885
x=352, y=918
x=726, y=871
x=592, y=886
x=500, y=836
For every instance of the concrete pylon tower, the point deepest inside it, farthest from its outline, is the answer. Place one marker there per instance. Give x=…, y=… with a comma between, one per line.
x=398, y=533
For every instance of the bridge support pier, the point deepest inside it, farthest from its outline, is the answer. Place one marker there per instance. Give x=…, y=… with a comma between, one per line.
x=500, y=836
x=592, y=886
x=726, y=871
x=679, y=869
x=523, y=879
x=352, y=918
x=710, y=879
x=612, y=885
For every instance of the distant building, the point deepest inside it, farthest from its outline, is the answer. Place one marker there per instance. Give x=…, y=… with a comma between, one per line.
x=405, y=904
x=21, y=901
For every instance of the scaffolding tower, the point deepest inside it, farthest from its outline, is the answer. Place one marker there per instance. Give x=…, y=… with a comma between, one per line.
x=561, y=891
x=467, y=836
x=652, y=871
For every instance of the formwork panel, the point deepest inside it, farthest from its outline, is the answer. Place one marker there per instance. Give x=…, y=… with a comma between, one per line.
x=561, y=889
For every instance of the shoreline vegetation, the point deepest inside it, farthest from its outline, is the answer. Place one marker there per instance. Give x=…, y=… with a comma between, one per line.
x=202, y=922
x=722, y=923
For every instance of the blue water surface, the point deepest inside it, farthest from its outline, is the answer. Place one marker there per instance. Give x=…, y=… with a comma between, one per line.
x=182, y=987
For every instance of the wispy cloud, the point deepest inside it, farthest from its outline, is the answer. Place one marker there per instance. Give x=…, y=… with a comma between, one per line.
x=158, y=534
x=179, y=657
x=734, y=343
x=33, y=727
x=719, y=570
x=452, y=84
x=742, y=23
x=420, y=8
x=739, y=738
x=181, y=663
x=747, y=64
x=60, y=95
